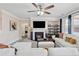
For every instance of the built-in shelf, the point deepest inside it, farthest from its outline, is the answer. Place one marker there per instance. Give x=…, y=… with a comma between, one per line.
x=53, y=27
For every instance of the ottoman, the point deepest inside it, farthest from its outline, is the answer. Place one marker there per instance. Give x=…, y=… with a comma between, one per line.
x=45, y=44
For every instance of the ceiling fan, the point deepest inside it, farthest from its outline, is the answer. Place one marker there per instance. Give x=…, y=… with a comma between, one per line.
x=40, y=10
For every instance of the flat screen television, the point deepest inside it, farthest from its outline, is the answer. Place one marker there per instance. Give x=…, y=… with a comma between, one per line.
x=38, y=24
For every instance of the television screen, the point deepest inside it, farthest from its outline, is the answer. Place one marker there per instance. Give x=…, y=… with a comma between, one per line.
x=38, y=24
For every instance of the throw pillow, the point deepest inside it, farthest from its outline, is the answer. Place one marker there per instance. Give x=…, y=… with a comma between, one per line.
x=70, y=40
x=61, y=35
x=3, y=46
x=67, y=39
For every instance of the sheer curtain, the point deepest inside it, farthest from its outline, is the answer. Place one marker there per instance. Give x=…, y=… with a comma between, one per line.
x=65, y=25
x=75, y=24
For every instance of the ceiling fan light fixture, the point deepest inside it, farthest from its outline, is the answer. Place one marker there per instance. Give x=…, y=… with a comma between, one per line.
x=40, y=12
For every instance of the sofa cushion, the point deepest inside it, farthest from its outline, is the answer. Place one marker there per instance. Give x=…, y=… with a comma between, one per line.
x=63, y=52
x=7, y=52
x=38, y=52
x=32, y=52
x=22, y=44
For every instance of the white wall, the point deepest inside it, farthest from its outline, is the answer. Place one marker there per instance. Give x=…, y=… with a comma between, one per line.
x=7, y=36
x=0, y=21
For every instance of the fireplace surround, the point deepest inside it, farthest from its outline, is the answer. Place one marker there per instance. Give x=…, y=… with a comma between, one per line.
x=39, y=35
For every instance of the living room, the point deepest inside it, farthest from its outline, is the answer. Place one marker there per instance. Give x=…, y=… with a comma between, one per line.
x=40, y=28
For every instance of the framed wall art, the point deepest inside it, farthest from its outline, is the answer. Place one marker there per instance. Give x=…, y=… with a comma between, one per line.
x=13, y=25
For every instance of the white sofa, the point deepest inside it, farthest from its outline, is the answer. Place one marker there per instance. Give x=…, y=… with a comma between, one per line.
x=7, y=52
x=62, y=43
x=63, y=52
x=40, y=52
x=25, y=49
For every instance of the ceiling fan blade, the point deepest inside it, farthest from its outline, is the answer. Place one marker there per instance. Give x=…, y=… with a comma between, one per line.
x=34, y=5
x=31, y=11
x=47, y=12
x=51, y=6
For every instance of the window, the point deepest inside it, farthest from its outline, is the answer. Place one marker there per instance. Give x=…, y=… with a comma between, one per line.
x=75, y=25
x=66, y=25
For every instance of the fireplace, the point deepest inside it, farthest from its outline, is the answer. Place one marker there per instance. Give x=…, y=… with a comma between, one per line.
x=39, y=35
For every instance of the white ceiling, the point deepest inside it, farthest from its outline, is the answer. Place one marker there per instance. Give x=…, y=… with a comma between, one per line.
x=20, y=9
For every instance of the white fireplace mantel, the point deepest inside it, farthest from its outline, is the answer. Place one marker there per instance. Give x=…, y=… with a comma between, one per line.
x=38, y=30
